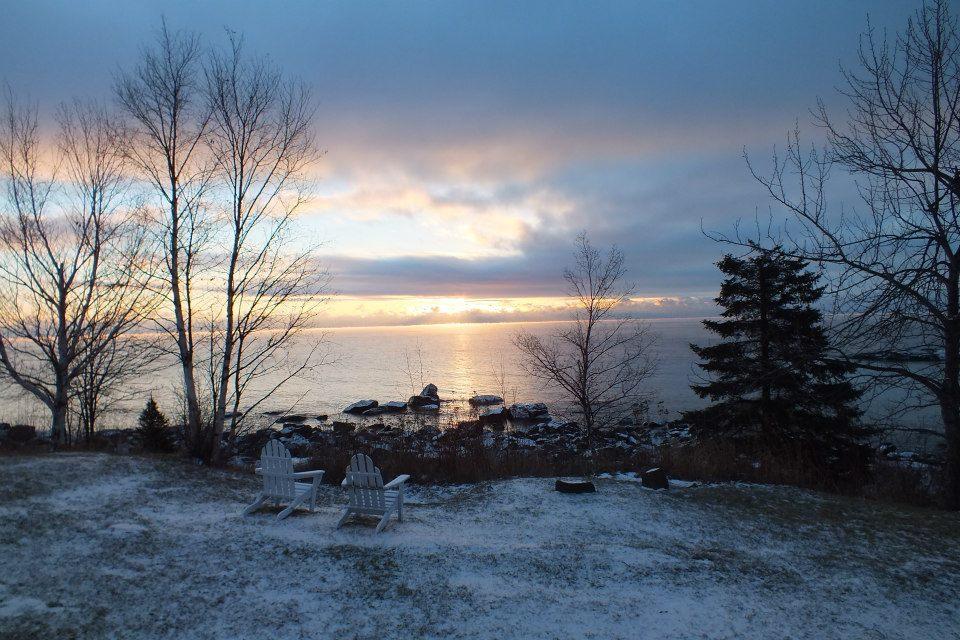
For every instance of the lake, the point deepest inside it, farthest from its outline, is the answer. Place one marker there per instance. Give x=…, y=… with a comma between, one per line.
x=392, y=363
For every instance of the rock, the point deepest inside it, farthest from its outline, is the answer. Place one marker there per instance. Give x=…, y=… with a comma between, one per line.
x=574, y=486
x=394, y=405
x=292, y=428
x=655, y=478
x=373, y=411
x=360, y=406
x=560, y=425
x=494, y=417
x=297, y=444
x=415, y=402
x=274, y=412
x=527, y=410
x=343, y=428
x=485, y=400
x=295, y=417
x=428, y=407
x=21, y=433
x=322, y=417
x=430, y=391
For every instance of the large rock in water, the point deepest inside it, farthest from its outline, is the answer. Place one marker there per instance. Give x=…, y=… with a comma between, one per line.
x=394, y=405
x=430, y=391
x=484, y=400
x=494, y=417
x=655, y=478
x=527, y=410
x=360, y=406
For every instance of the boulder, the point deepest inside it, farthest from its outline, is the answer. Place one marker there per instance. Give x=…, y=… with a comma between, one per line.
x=428, y=407
x=494, y=417
x=294, y=417
x=21, y=433
x=360, y=406
x=297, y=444
x=394, y=405
x=415, y=402
x=430, y=391
x=485, y=400
x=373, y=411
x=655, y=478
x=527, y=410
x=343, y=428
x=574, y=486
x=322, y=417
x=293, y=428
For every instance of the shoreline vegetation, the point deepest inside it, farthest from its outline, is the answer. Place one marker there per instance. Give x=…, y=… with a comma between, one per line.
x=442, y=442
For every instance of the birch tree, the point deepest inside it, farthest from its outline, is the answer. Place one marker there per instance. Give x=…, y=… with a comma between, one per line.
x=261, y=146
x=162, y=97
x=73, y=253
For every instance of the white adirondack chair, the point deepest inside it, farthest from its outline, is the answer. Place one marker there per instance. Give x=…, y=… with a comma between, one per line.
x=280, y=481
x=368, y=495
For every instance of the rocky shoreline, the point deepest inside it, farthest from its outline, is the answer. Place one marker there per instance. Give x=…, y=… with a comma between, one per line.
x=413, y=427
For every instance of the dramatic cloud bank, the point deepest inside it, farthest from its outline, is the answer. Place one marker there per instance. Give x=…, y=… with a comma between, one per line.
x=469, y=142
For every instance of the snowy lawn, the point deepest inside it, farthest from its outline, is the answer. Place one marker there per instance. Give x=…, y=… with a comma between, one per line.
x=97, y=546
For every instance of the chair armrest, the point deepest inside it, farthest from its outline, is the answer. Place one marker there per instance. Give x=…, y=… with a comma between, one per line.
x=396, y=482
x=258, y=471
x=344, y=483
x=308, y=474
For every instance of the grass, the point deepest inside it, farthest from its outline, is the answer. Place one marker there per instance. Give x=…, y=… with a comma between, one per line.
x=101, y=546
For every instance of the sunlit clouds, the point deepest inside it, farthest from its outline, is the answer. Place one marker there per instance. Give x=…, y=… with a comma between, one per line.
x=466, y=148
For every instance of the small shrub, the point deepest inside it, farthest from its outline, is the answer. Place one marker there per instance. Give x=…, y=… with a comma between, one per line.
x=154, y=429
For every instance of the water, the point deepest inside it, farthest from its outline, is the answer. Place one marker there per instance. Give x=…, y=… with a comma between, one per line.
x=392, y=363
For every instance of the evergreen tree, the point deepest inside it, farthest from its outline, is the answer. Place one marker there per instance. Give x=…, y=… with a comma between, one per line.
x=771, y=377
x=154, y=428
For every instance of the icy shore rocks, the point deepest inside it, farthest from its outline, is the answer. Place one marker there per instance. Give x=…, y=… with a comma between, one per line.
x=527, y=410
x=485, y=400
x=360, y=406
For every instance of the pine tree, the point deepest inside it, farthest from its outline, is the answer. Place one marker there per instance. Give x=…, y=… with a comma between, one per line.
x=154, y=428
x=771, y=376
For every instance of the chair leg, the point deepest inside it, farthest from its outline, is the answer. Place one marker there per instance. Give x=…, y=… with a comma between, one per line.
x=256, y=505
x=293, y=505
x=344, y=518
x=400, y=504
x=313, y=497
x=383, y=522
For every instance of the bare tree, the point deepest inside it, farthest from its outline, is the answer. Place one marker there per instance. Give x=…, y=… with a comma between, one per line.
x=162, y=97
x=599, y=361
x=73, y=255
x=261, y=146
x=894, y=264
x=106, y=379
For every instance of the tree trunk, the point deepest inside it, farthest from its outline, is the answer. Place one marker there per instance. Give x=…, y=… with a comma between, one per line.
x=61, y=404
x=950, y=390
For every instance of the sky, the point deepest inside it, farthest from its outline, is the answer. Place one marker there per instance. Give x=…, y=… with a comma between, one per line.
x=467, y=143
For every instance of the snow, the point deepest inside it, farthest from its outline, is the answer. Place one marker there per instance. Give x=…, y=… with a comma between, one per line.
x=107, y=546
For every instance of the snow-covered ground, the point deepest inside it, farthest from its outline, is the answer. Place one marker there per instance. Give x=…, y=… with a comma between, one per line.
x=97, y=546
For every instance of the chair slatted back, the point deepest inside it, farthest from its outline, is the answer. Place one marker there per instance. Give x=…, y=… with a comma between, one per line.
x=365, y=484
x=277, y=468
